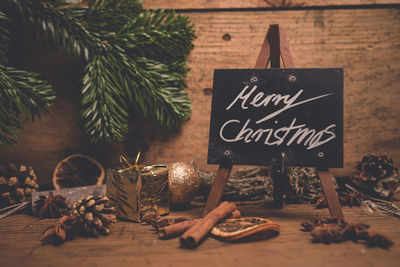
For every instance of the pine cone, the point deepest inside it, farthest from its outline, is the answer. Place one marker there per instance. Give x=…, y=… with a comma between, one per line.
x=16, y=184
x=50, y=206
x=376, y=174
x=95, y=215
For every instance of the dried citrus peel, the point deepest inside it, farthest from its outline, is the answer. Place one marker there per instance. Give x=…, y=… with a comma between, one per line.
x=245, y=229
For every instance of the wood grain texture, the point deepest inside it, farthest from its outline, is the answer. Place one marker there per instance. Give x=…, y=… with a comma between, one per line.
x=132, y=244
x=286, y=54
x=365, y=42
x=216, y=4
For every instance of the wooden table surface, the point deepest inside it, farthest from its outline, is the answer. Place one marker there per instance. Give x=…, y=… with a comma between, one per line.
x=132, y=244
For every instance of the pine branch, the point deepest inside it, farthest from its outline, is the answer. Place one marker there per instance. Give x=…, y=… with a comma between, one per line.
x=22, y=93
x=134, y=58
x=163, y=97
x=4, y=38
x=56, y=27
x=109, y=83
x=104, y=109
x=157, y=34
x=105, y=16
x=151, y=66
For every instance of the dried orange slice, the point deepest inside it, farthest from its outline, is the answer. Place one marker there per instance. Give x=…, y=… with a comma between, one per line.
x=78, y=170
x=245, y=229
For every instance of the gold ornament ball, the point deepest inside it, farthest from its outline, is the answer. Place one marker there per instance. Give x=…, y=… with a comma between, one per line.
x=183, y=182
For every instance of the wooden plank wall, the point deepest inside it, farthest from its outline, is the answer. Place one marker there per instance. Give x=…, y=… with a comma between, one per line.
x=232, y=4
x=361, y=36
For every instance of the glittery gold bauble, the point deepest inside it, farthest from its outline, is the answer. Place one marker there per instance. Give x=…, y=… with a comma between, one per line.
x=183, y=182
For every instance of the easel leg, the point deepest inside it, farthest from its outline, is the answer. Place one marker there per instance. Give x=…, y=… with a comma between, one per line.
x=217, y=188
x=279, y=187
x=331, y=195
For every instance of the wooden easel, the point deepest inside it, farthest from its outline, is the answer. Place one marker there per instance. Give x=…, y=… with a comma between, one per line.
x=274, y=48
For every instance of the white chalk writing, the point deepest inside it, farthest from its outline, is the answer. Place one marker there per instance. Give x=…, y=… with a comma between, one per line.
x=299, y=134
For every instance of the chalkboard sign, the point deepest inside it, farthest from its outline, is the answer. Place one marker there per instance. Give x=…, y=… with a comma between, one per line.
x=259, y=114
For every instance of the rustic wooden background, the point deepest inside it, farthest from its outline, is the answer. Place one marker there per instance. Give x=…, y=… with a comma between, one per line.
x=362, y=36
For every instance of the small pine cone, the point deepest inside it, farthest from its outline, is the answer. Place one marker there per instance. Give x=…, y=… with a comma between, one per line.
x=377, y=175
x=95, y=215
x=17, y=182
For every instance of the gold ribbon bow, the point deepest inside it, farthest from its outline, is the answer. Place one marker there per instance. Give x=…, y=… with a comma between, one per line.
x=127, y=166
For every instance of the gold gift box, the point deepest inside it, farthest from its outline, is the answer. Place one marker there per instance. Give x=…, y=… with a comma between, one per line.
x=136, y=192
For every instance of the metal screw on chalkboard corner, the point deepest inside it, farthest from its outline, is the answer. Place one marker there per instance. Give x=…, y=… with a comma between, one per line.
x=227, y=153
x=292, y=78
x=254, y=79
x=320, y=154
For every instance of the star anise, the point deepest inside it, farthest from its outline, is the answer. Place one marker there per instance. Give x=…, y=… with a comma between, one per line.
x=308, y=226
x=338, y=230
x=327, y=233
x=50, y=206
x=354, y=231
x=311, y=225
x=60, y=232
x=378, y=240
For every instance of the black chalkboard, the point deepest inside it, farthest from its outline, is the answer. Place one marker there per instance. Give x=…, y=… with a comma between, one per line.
x=258, y=114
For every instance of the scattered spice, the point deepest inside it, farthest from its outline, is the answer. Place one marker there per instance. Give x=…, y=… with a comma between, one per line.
x=50, y=206
x=166, y=221
x=159, y=222
x=337, y=230
x=63, y=230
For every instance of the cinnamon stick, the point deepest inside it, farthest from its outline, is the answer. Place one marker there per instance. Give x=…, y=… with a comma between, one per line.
x=176, y=229
x=196, y=233
x=179, y=228
x=166, y=221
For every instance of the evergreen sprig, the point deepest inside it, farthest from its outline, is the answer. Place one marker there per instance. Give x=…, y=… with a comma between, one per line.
x=22, y=93
x=134, y=58
x=55, y=26
x=4, y=39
